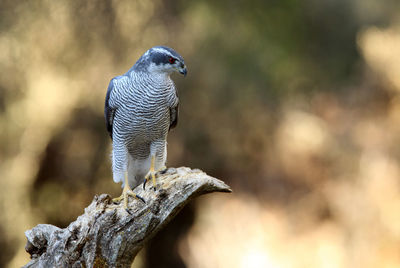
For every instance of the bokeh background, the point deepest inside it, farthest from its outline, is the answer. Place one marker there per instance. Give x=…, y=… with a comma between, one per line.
x=295, y=104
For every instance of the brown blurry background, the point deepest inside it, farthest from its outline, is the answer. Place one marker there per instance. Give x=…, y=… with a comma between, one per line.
x=295, y=104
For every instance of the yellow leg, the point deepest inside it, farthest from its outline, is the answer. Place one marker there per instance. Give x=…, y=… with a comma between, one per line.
x=125, y=193
x=152, y=173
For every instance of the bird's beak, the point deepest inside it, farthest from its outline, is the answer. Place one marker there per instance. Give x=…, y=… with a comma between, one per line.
x=183, y=70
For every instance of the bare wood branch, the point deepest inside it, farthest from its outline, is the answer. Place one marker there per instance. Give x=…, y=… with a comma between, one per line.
x=107, y=235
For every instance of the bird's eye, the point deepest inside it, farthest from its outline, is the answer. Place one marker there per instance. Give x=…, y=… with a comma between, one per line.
x=171, y=60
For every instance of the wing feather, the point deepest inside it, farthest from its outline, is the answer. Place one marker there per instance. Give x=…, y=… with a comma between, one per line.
x=174, y=114
x=108, y=110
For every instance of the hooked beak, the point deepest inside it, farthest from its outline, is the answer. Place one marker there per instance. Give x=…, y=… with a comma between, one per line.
x=183, y=70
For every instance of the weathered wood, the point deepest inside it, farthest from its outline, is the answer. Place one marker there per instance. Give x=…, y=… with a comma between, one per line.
x=107, y=235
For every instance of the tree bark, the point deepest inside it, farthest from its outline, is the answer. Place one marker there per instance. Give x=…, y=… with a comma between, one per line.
x=107, y=235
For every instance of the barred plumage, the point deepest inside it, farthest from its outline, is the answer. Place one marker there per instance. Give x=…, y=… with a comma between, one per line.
x=141, y=106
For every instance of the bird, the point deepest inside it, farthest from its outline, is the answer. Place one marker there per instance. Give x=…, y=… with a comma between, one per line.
x=141, y=107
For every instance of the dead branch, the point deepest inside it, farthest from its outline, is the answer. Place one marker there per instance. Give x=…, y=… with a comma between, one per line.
x=107, y=235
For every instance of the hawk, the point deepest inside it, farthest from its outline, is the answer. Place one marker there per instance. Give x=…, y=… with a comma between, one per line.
x=141, y=107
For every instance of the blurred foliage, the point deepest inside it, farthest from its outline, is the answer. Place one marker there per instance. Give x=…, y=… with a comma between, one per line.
x=293, y=103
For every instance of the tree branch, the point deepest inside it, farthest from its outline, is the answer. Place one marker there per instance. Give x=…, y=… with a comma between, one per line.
x=107, y=235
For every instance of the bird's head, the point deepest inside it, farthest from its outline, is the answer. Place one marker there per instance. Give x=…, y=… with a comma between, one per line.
x=163, y=59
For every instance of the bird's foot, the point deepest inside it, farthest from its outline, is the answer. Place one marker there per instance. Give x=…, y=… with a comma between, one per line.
x=126, y=192
x=163, y=170
x=151, y=174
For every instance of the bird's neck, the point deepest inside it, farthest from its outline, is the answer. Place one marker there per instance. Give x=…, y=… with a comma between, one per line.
x=162, y=77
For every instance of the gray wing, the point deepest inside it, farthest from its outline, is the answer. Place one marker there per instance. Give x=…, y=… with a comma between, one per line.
x=108, y=110
x=173, y=113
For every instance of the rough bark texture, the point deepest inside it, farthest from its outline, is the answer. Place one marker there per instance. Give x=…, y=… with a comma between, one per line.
x=107, y=235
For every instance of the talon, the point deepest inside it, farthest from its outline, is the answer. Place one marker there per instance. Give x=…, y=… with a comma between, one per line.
x=141, y=198
x=163, y=170
x=127, y=191
x=131, y=193
x=152, y=174
x=147, y=178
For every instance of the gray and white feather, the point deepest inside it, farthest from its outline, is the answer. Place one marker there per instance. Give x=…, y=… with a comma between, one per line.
x=141, y=107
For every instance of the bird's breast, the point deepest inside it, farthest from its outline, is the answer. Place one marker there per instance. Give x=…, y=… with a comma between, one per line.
x=147, y=120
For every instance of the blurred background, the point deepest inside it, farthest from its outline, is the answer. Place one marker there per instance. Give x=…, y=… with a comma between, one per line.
x=295, y=104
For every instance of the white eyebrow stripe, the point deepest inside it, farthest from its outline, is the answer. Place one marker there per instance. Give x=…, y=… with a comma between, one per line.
x=164, y=51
